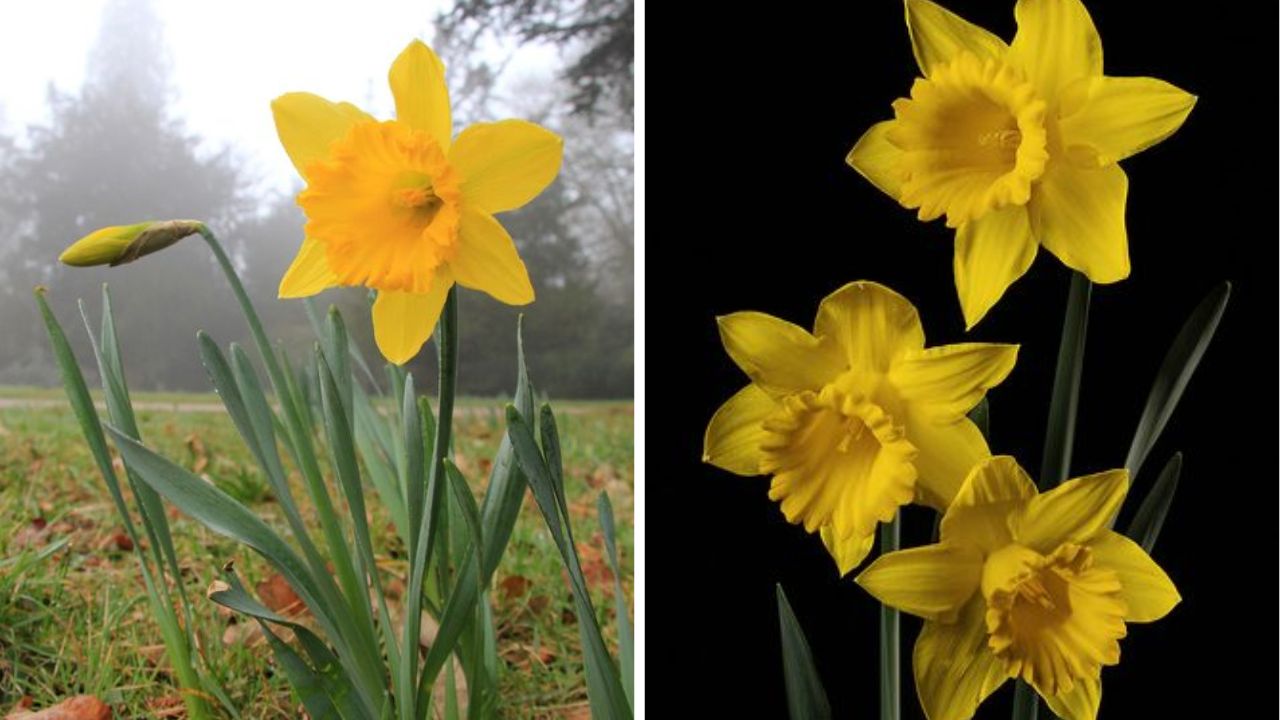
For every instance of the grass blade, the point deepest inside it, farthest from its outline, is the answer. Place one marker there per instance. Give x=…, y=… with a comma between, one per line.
x=1146, y=524
x=1176, y=370
x=806, y=698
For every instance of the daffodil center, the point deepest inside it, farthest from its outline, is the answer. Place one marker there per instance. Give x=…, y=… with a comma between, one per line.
x=385, y=203
x=973, y=139
x=1053, y=619
x=837, y=458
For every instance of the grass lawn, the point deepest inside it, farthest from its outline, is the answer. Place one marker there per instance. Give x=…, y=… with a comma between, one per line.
x=73, y=612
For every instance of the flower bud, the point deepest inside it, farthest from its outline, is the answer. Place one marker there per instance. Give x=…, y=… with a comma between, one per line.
x=120, y=244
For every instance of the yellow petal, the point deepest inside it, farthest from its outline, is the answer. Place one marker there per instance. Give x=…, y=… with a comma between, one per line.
x=505, y=164
x=1081, y=703
x=487, y=260
x=403, y=321
x=1146, y=588
x=309, y=273
x=870, y=324
x=1056, y=43
x=876, y=159
x=308, y=124
x=954, y=669
x=1078, y=214
x=947, y=452
x=422, y=97
x=931, y=581
x=938, y=35
x=945, y=382
x=1121, y=116
x=978, y=515
x=848, y=552
x=778, y=356
x=991, y=252
x=1075, y=511
x=734, y=434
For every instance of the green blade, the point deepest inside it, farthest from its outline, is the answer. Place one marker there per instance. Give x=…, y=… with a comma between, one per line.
x=1176, y=370
x=806, y=698
x=626, y=644
x=1146, y=524
x=604, y=687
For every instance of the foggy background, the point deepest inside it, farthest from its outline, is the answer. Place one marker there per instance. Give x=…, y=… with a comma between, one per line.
x=117, y=144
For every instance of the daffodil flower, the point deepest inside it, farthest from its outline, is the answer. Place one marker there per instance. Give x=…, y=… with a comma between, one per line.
x=855, y=419
x=1022, y=585
x=402, y=207
x=1017, y=144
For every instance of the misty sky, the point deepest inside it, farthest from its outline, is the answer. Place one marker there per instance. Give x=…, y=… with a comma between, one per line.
x=229, y=59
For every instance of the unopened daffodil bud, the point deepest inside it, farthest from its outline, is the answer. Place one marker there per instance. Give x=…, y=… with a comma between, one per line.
x=120, y=244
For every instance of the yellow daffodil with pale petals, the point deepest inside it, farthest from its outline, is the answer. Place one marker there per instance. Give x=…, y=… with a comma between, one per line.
x=854, y=419
x=1022, y=585
x=403, y=207
x=1017, y=144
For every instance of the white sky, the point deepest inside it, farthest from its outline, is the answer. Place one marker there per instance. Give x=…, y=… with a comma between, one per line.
x=229, y=59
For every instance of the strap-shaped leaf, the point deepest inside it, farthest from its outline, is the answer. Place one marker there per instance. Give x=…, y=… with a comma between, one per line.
x=626, y=644
x=1175, y=372
x=1146, y=524
x=604, y=687
x=806, y=698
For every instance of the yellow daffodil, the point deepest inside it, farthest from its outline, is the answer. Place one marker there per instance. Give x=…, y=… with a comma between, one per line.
x=397, y=206
x=1017, y=144
x=855, y=419
x=120, y=244
x=1022, y=585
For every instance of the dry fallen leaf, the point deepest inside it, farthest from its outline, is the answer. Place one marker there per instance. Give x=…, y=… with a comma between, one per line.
x=514, y=586
x=80, y=707
x=33, y=534
x=199, y=458
x=277, y=595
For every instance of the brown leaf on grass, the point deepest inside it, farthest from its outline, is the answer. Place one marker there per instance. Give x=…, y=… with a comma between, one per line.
x=595, y=568
x=581, y=711
x=276, y=594
x=538, y=604
x=155, y=655
x=199, y=457
x=601, y=475
x=33, y=534
x=80, y=707
x=514, y=586
x=167, y=706
x=116, y=541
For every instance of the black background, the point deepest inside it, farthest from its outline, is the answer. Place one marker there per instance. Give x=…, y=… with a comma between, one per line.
x=751, y=207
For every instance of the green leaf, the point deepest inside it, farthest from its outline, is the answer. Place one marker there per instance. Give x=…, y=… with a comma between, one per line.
x=1146, y=524
x=1176, y=370
x=626, y=644
x=806, y=698
x=604, y=687
x=324, y=689
x=223, y=515
x=1061, y=428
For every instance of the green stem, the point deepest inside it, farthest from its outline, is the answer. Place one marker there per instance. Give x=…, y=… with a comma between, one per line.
x=1059, y=435
x=447, y=343
x=1060, y=431
x=1026, y=704
x=890, y=683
